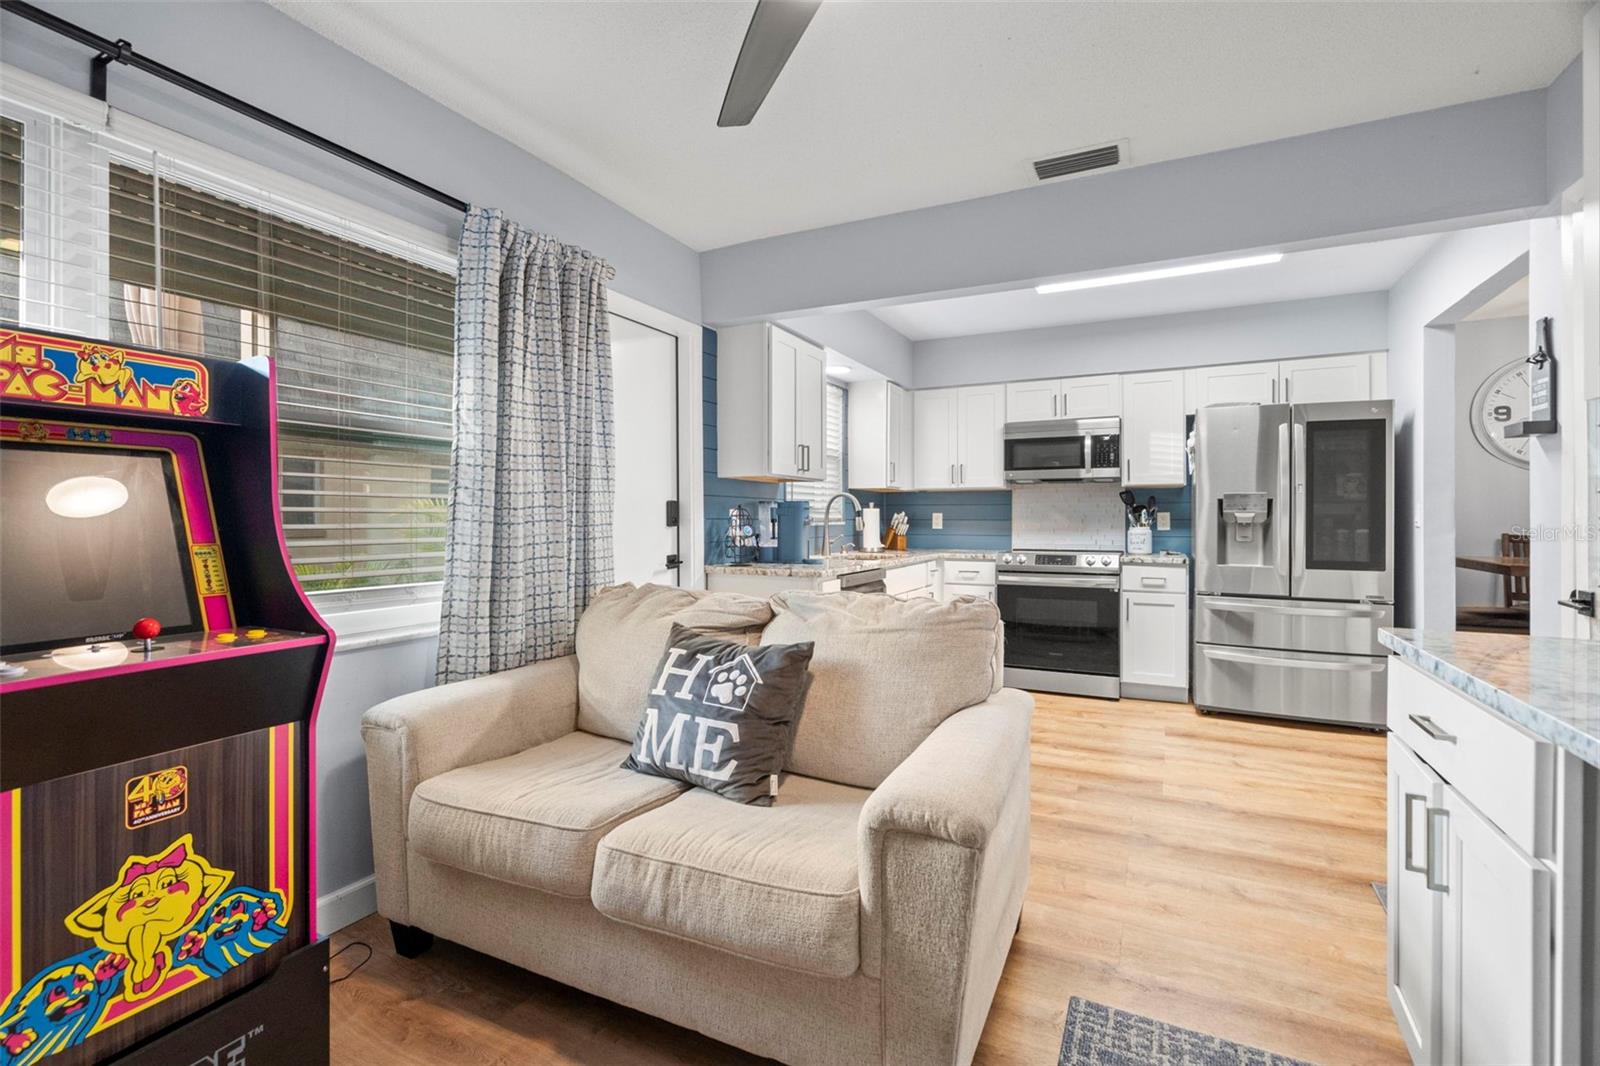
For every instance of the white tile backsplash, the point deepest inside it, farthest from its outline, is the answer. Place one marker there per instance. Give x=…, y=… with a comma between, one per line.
x=1085, y=517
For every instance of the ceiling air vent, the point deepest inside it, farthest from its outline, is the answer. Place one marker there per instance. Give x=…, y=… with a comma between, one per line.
x=1060, y=166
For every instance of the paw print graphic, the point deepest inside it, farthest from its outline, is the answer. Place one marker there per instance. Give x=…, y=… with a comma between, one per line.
x=730, y=686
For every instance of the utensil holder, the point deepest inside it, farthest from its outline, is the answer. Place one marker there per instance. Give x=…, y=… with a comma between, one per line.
x=1139, y=540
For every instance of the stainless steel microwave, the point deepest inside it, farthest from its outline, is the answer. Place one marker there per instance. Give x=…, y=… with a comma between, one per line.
x=1064, y=449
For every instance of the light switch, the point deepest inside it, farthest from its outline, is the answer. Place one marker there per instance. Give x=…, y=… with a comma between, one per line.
x=938, y=520
x=1163, y=520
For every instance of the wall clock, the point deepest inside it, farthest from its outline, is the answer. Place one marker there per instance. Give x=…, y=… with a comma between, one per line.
x=1500, y=401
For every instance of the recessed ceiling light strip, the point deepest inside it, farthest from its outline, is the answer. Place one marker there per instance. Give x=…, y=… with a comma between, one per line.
x=1158, y=274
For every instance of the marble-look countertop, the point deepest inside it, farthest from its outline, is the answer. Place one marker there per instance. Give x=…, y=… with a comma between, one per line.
x=850, y=562
x=1548, y=685
x=1157, y=559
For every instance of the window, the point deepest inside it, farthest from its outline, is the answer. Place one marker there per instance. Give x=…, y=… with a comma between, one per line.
x=820, y=492
x=142, y=249
x=10, y=217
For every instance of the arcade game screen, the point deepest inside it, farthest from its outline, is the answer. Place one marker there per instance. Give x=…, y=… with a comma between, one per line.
x=90, y=539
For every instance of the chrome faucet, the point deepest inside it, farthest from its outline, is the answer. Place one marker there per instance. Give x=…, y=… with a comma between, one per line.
x=827, y=513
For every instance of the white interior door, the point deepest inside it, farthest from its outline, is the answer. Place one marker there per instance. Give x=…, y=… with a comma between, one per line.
x=645, y=363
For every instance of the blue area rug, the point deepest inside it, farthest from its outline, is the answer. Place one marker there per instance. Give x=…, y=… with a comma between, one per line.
x=1098, y=1035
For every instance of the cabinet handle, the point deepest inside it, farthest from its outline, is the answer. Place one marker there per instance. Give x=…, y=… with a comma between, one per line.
x=963, y=469
x=1153, y=582
x=1430, y=727
x=1053, y=401
x=1288, y=390
x=1127, y=471
x=891, y=473
x=1274, y=390
x=1435, y=884
x=952, y=473
x=1411, y=797
x=1127, y=609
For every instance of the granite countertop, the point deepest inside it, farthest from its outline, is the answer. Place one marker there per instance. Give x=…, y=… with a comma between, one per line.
x=1157, y=559
x=849, y=563
x=1548, y=685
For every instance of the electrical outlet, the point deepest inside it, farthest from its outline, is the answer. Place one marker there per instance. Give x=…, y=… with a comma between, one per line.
x=938, y=520
x=1163, y=520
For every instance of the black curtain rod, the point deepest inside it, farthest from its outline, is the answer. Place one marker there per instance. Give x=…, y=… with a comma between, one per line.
x=109, y=51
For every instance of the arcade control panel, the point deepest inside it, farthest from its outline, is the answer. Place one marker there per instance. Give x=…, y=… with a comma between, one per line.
x=147, y=649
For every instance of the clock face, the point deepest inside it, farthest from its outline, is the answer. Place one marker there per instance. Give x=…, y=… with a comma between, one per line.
x=1499, y=401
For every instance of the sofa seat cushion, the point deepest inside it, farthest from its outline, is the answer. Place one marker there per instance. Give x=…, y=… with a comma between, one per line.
x=775, y=884
x=533, y=818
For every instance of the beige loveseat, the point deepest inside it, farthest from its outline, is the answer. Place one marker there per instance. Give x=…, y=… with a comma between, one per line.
x=863, y=918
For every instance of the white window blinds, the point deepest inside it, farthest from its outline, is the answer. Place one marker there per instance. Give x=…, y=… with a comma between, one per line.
x=820, y=492
x=138, y=247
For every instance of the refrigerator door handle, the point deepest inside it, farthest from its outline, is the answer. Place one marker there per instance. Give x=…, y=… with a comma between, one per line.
x=1217, y=603
x=1286, y=512
x=1351, y=665
x=1297, y=551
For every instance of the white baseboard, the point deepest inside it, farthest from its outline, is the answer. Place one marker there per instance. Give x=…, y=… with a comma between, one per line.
x=349, y=904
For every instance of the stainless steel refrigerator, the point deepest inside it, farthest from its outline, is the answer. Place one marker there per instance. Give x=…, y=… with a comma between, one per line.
x=1294, y=559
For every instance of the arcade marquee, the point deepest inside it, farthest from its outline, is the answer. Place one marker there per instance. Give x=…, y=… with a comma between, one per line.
x=158, y=694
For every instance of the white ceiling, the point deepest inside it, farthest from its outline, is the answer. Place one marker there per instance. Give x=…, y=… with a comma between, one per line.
x=889, y=106
x=1297, y=276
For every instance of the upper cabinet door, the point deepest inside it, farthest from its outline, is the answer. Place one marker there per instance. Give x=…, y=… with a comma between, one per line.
x=1328, y=379
x=1153, y=430
x=1033, y=401
x=1093, y=397
x=901, y=441
x=810, y=406
x=980, y=424
x=1239, y=383
x=783, y=404
x=933, y=432
x=1496, y=958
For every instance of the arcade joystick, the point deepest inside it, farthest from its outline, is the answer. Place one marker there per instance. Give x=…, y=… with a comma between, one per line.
x=146, y=630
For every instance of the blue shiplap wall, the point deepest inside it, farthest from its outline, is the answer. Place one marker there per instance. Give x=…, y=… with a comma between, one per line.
x=978, y=521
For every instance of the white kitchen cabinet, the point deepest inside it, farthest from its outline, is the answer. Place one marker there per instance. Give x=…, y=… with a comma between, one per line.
x=1236, y=383
x=1477, y=874
x=1033, y=401
x=980, y=424
x=1153, y=430
x=933, y=428
x=1413, y=915
x=770, y=405
x=1099, y=396
x=967, y=577
x=1326, y=379
x=1495, y=950
x=956, y=435
x=1155, y=633
x=880, y=436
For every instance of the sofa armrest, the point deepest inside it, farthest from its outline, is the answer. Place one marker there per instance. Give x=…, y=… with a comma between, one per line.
x=944, y=864
x=426, y=733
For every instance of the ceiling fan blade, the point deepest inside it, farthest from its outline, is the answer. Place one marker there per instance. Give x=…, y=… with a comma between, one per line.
x=775, y=29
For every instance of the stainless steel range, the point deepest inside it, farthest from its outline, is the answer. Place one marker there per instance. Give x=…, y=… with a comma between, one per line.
x=1062, y=626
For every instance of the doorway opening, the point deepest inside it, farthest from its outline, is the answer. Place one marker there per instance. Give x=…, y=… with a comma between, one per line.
x=1492, y=470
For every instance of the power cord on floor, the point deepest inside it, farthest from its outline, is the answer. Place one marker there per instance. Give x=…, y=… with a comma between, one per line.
x=357, y=966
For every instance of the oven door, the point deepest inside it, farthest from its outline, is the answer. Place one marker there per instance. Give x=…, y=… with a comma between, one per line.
x=1061, y=623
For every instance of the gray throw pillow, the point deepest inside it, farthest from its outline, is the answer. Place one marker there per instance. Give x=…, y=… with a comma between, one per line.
x=721, y=715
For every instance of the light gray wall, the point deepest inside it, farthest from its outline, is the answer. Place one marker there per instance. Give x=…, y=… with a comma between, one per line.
x=1476, y=162
x=1563, y=138
x=1454, y=278
x=863, y=337
x=1552, y=538
x=1283, y=330
x=266, y=58
x=1491, y=494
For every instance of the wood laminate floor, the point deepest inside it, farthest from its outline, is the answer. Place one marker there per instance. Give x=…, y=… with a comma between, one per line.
x=1211, y=872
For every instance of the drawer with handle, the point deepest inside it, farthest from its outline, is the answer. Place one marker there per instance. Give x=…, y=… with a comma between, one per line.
x=1506, y=772
x=969, y=572
x=1141, y=578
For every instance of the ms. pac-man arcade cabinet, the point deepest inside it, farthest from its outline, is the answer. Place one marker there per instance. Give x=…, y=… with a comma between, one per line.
x=158, y=696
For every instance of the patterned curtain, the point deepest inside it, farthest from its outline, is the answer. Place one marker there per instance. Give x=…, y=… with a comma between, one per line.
x=532, y=468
